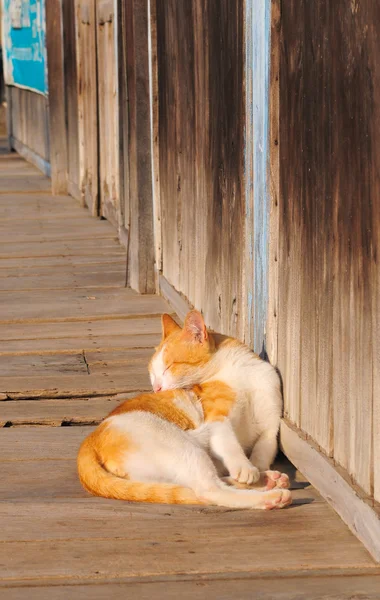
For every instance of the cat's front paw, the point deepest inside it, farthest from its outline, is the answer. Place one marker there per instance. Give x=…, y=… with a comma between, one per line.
x=244, y=472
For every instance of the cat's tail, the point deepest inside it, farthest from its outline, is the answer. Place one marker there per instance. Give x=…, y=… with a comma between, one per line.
x=100, y=482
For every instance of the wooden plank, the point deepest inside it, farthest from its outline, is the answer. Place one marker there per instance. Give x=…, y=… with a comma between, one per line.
x=30, y=128
x=197, y=588
x=114, y=256
x=71, y=97
x=55, y=230
x=331, y=274
x=24, y=168
x=113, y=380
x=84, y=304
x=85, y=15
x=154, y=101
x=52, y=364
x=36, y=207
x=257, y=31
x=156, y=553
x=123, y=124
x=60, y=443
x=108, y=100
x=83, y=342
x=47, y=364
x=63, y=518
x=376, y=360
x=111, y=358
x=77, y=247
x=57, y=105
x=87, y=411
x=110, y=276
x=141, y=241
x=180, y=304
x=21, y=185
x=50, y=479
x=50, y=332
x=274, y=184
x=360, y=518
x=201, y=56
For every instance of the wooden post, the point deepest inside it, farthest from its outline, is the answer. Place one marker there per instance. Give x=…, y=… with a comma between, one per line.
x=56, y=82
x=141, y=236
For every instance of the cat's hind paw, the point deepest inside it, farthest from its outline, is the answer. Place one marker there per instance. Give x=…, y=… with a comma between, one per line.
x=279, y=499
x=275, y=479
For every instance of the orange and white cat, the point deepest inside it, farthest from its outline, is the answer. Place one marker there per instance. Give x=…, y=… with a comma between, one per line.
x=214, y=403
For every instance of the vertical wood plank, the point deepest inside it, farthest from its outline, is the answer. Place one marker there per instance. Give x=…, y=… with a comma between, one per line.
x=291, y=183
x=123, y=118
x=376, y=361
x=71, y=97
x=274, y=184
x=57, y=110
x=87, y=103
x=200, y=48
x=30, y=125
x=152, y=8
x=106, y=44
x=141, y=236
x=328, y=221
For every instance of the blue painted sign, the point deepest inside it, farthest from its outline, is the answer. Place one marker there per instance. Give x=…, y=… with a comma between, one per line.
x=24, y=47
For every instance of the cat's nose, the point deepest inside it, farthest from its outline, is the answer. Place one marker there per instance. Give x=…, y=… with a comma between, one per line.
x=157, y=387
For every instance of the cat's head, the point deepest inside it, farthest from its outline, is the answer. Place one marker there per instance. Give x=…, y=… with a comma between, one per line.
x=182, y=354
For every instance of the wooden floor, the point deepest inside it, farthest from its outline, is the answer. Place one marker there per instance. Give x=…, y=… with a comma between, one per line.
x=74, y=343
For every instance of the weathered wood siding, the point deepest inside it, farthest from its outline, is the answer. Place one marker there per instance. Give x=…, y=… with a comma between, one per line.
x=71, y=92
x=200, y=49
x=29, y=124
x=87, y=103
x=108, y=110
x=328, y=335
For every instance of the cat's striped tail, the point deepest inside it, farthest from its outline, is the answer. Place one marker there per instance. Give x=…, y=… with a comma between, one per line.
x=100, y=482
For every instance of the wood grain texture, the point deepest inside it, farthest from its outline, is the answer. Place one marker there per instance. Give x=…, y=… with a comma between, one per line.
x=109, y=178
x=200, y=52
x=42, y=444
x=274, y=184
x=139, y=195
x=30, y=118
x=71, y=94
x=54, y=413
x=85, y=14
x=328, y=221
x=363, y=521
x=313, y=588
x=57, y=108
x=197, y=554
x=257, y=54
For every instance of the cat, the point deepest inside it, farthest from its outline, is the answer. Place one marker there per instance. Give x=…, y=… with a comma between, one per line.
x=213, y=401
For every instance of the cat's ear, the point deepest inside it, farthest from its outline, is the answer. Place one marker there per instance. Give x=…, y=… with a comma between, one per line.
x=168, y=326
x=195, y=327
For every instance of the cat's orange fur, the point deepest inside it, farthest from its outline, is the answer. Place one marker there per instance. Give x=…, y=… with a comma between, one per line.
x=108, y=447
x=112, y=458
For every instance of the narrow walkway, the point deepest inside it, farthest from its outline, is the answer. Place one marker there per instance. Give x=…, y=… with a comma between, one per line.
x=74, y=343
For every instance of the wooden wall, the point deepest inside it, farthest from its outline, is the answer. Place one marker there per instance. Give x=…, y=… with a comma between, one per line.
x=329, y=229
x=71, y=94
x=201, y=119
x=107, y=63
x=29, y=125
